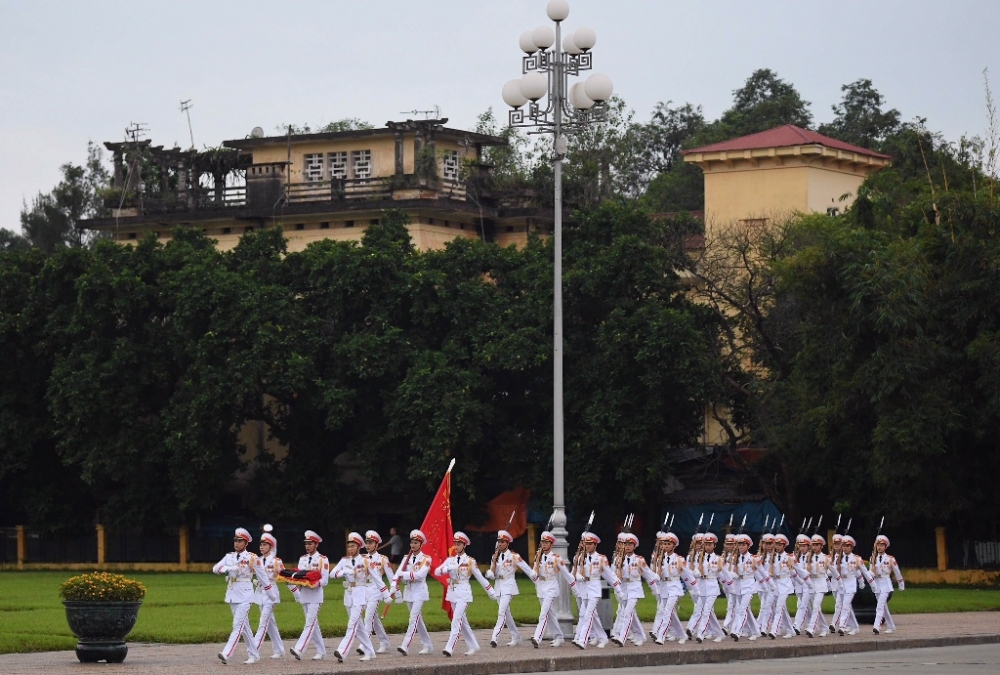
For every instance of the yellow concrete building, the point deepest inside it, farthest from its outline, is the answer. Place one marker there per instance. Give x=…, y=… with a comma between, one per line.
x=316, y=186
x=765, y=177
x=778, y=172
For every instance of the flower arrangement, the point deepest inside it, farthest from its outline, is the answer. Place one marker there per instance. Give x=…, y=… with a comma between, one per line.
x=102, y=587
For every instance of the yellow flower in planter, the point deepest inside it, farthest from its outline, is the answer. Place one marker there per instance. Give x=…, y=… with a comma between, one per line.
x=102, y=587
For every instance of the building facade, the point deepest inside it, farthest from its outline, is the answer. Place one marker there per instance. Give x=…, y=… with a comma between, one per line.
x=316, y=186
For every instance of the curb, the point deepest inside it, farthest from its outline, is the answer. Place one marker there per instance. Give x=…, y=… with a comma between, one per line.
x=624, y=658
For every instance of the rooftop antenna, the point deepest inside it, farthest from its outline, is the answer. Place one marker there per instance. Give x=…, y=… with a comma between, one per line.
x=185, y=108
x=135, y=131
x=434, y=114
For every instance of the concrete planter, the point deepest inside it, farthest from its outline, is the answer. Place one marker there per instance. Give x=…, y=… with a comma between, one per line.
x=101, y=628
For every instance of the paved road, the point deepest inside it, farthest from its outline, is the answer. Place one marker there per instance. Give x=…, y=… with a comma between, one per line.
x=915, y=632
x=970, y=660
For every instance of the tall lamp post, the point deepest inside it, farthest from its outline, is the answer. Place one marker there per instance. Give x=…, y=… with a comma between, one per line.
x=549, y=61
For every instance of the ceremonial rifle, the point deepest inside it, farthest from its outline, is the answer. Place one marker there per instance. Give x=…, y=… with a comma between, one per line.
x=496, y=546
x=578, y=558
x=872, y=561
x=538, y=551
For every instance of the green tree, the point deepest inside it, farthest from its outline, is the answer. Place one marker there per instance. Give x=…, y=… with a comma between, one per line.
x=51, y=221
x=859, y=118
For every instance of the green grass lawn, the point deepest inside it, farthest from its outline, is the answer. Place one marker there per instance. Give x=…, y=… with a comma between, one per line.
x=189, y=608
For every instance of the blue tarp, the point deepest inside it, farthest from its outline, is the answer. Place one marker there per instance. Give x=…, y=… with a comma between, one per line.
x=686, y=519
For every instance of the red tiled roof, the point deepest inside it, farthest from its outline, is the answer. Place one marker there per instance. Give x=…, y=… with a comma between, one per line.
x=782, y=137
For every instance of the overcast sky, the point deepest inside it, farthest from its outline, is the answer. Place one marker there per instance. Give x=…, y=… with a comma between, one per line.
x=75, y=71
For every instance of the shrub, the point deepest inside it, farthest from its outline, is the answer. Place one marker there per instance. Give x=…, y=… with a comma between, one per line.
x=102, y=587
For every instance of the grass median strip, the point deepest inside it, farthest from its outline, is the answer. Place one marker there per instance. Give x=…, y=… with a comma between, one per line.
x=188, y=608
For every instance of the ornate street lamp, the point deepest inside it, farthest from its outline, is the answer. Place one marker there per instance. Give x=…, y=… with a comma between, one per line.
x=549, y=61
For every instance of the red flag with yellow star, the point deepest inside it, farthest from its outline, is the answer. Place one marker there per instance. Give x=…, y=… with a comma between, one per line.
x=440, y=534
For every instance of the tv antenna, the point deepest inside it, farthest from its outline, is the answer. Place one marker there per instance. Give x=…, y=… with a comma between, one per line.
x=434, y=114
x=185, y=108
x=135, y=131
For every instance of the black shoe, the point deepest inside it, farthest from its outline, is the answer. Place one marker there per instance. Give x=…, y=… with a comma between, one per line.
x=736, y=638
x=534, y=642
x=840, y=631
x=493, y=643
x=360, y=651
x=797, y=631
x=688, y=632
x=832, y=628
x=875, y=630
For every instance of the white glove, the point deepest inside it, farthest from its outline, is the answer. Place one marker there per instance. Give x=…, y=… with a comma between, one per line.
x=902, y=585
x=386, y=596
x=492, y=594
x=272, y=594
x=580, y=577
x=399, y=598
x=490, y=575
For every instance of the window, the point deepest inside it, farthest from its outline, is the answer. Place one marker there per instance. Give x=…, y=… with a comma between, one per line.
x=349, y=223
x=361, y=162
x=449, y=165
x=314, y=167
x=338, y=165
x=324, y=226
x=227, y=230
x=754, y=222
x=300, y=226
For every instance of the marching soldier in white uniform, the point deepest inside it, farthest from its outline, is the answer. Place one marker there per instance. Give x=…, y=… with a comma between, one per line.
x=767, y=586
x=781, y=571
x=311, y=599
x=354, y=570
x=592, y=568
x=503, y=567
x=882, y=567
x=548, y=568
x=670, y=568
x=266, y=599
x=742, y=572
x=834, y=576
x=240, y=568
x=631, y=570
x=818, y=568
x=380, y=567
x=460, y=568
x=413, y=572
x=853, y=574
x=803, y=592
x=706, y=570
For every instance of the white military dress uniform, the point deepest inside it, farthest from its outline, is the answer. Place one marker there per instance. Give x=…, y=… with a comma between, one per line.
x=883, y=568
x=379, y=565
x=670, y=590
x=780, y=564
x=852, y=573
x=459, y=569
x=356, y=573
x=743, y=575
x=311, y=600
x=413, y=571
x=548, y=568
x=502, y=572
x=819, y=569
x=804, y=588
x=706, y=570
x=241, y=568
x=631, y=571
x=267, y=600
x=593, y=567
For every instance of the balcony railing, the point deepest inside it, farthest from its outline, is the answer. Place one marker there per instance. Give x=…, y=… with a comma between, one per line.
x=409, y=186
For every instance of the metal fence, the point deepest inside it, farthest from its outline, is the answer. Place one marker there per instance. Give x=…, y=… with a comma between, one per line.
x=969, y=554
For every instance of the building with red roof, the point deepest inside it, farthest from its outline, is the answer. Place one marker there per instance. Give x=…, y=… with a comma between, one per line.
x=780, y=171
